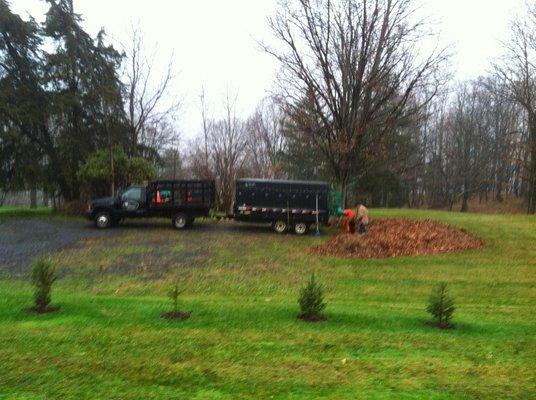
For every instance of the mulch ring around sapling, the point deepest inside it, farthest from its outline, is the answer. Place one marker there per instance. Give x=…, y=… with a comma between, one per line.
x=434, y=324
x=312, y=318
x=393, y=237
x=46, y=310
x=178, y=315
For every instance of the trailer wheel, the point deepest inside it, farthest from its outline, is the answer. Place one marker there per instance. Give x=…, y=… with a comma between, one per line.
x=179, y=221
x=103, y=220
x=279, y=226
x=300, y=228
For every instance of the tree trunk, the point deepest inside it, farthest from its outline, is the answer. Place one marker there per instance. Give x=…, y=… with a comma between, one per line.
x=531, y=192
x=112, y=178
x=33, y=197
x=3, y=196
x=498, y=195
x=465, y=198
x=344, y=193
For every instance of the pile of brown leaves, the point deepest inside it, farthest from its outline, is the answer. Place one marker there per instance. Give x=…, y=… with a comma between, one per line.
x=399, y=237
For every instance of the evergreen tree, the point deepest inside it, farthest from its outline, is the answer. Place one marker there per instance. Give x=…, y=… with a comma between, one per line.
x=441, y=305
x=85, y=91
x=57, y=108
x=311, y=301
x=23, y=103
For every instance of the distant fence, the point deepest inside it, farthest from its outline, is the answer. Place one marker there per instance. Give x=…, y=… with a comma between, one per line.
x=22, y=198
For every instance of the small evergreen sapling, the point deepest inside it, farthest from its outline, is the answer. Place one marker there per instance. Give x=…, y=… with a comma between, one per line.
x=173, y=294
x=43, y=275
x=441, y=306
x=311, y=301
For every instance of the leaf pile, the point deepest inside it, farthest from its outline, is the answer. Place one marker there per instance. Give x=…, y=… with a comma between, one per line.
x=399, y=237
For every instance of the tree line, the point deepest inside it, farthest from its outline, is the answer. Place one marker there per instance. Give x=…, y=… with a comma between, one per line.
x=358, y=101
x=71, y=108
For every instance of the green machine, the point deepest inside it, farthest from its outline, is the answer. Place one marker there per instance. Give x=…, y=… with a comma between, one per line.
x=335, y=203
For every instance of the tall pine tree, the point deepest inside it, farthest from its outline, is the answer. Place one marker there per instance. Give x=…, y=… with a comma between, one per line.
x=87, y=109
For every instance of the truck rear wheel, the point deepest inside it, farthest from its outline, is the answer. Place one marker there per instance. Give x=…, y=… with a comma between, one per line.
x=300, y=228
x=179, y=221
x=103, y=220
x=279, y=226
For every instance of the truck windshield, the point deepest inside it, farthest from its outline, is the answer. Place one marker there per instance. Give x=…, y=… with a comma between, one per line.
x=132, y=194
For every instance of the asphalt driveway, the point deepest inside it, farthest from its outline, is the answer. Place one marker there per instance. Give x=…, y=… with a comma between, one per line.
x=23, y=239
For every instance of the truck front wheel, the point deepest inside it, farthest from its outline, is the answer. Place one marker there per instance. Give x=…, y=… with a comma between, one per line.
x=103, y=220
x=180, y=221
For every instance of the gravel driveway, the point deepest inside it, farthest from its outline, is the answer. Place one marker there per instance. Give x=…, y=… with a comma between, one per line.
x=23, y=239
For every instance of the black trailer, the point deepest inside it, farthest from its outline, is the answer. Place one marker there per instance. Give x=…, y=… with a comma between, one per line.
x=285, y=204
x=180, y=200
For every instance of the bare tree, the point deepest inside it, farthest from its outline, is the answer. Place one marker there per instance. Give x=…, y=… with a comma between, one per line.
x=172, y=164
x=203, y=162
x=266, y=141
x=473, y=140
x=356, y=66
x=227, y=138
x=145, y=99
x=517, y=70
x=219, y=152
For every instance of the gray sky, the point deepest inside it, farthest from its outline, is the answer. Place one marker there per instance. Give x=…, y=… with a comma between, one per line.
x=214, y=42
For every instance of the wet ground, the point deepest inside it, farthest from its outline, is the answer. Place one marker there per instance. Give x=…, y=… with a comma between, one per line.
x=21, y=240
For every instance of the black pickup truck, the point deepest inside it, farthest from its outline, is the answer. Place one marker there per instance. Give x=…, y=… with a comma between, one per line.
x=180, y=200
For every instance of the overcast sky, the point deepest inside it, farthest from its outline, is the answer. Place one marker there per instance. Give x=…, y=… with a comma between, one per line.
x=214, y=42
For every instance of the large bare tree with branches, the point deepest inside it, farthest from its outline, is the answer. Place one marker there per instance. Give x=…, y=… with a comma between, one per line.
x=349, y=72
x=150, y=108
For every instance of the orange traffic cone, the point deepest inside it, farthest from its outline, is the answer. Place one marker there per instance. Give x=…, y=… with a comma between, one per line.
x=158, y=198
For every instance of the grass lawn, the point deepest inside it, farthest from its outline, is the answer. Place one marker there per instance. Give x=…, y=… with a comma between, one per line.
x=243, y=340
x=24, y=211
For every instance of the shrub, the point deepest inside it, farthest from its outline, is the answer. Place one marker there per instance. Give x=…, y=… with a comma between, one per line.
x=43, y=275
x=311, y=301
x=173, y=294
x=441, y=305
x=95, y=174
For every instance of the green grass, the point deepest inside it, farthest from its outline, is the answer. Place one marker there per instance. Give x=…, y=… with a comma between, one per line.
x=24, y=211
x=243, y=339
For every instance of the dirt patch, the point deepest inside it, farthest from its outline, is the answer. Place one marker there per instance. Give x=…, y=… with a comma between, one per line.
x=180, y=315
x=312, y=318
x=399, y=237
x=46, y=310
x=435, y=324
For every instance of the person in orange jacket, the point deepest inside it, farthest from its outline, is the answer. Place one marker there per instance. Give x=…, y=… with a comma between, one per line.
x=349, y=215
